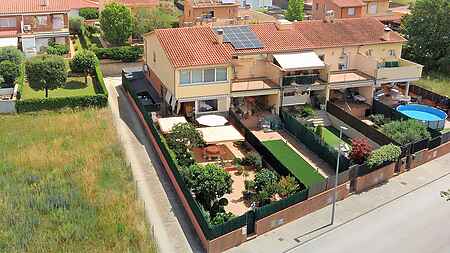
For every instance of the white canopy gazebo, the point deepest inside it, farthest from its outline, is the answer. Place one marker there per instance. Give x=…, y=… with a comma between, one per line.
x=166, y=124
x=212, y=120
x=214, y=135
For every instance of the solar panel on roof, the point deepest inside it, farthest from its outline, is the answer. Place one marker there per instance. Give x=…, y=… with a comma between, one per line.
x=241, y=37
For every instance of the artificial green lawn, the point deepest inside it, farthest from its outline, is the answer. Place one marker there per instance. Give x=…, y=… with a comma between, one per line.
x=331, y=136
x=74, y=86
x=301, y=169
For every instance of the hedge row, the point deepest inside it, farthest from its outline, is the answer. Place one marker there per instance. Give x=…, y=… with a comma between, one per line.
x=38, y=104
x=99, y=83
x=123, y=53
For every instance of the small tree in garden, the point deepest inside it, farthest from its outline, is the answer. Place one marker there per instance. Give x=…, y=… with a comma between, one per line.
x=287, y=186
x=186, y=134
x=89, y=13
x=46, y=72
x=75, y=24
x=9, y=71
x=147, y=20
x=295, y=10
x=360, y=150
x=116, y=22
x=84, y=62
x=11, y=54
x=209, y=183
x=406, y=131
x=266, y=181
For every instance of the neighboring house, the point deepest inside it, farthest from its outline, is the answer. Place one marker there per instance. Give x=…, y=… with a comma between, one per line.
x=200, y=70
x=209, y=11
x=32, y=24
x=257, y=4
x=378, y=9
x=134, y=5
x=76, y=5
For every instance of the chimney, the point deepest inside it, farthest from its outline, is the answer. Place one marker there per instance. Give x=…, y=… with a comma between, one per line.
x=44, y=2
x=329, y=16
x=219, y=35
x=386, y=33
x=283, y=24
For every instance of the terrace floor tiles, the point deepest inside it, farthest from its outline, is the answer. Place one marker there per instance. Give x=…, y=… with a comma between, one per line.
x=314, y=160
x=236, y=203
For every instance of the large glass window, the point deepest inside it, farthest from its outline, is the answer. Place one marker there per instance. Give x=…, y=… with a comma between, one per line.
x=373, y=8
x=185, y=77
x=210, y=105
x=7, y=22
x=221, y=74
x=351, y=11
x=197, y=75
x=41, y=20
x=209, y=75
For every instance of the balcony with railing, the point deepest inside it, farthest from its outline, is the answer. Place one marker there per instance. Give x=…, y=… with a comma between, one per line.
x=308, y=79
x=400, y=70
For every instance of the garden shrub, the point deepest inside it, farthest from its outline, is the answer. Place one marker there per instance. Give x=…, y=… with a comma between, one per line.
x=221, y=218
x=30, y=105
x=99, y=83
x=266, y=180
x=57, y=49
x=360, y=150
x=123, y=53
x=89, y=13
x=252, y=159
x=186, y=134
x=287, y=185
x=11, y=54
x=9, y=71
x=406, y=131
x=379, y=119
x=84, y=62
x=116, y=22
x=383, y=155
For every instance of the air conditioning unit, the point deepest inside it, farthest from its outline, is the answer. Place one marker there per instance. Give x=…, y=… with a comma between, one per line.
x=26, y=28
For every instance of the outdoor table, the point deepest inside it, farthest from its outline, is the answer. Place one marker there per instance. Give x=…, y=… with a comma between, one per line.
x=212, y=152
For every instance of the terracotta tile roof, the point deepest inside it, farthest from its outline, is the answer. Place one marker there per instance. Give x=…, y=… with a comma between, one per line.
x=345, y=32
x=348, y=3
x=195, y=46
x=8, y=7
x=139, y=2
x=78, y=4
x=192, y=46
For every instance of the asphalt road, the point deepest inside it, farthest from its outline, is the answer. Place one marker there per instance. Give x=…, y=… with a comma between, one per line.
x=416, y=222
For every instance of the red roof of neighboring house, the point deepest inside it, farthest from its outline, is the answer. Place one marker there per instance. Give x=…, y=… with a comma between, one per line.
x=139, y=2
x=195, y=46
x=78, y=4
x=8, y=7
x=348, y=3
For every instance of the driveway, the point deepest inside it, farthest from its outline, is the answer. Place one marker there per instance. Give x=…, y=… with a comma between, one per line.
x=404, y=215
x=169, y=223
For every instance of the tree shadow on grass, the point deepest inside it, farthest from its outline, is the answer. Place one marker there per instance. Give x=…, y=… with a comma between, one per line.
x=74, y=85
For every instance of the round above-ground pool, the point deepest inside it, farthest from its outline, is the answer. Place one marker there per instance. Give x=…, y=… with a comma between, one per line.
x=430, y=116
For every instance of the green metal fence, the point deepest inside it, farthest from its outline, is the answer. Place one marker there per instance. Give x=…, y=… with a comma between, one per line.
x=313, y=142
x=210, y=232
x=281, y=204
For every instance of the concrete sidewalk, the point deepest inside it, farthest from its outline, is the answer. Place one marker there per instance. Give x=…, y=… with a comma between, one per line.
x=172, y=229
x=290, y=237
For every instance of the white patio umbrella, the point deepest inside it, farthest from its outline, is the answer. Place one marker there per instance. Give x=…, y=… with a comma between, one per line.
x=212, y=120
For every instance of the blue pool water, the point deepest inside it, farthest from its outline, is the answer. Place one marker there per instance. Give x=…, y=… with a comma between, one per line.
x=430, y=116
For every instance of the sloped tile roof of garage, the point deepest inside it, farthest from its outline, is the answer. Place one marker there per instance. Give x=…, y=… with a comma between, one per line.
x=8, y=7
x=348, y=3
x=196, y=46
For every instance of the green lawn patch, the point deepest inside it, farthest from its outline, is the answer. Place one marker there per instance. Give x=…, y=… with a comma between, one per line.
x=438, y=83
x=66, y=187
x=331, y=136
x=301, y=169
x=74, y=86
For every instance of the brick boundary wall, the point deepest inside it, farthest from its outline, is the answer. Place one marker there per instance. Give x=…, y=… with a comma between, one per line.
x=180, y=194
x=374, y=178
x=425, y=156
x=300, y=209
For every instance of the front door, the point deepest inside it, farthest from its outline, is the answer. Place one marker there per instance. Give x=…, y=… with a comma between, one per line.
x=187, y=109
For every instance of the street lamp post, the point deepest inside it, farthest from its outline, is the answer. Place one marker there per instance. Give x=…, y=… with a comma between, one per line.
x=342, y=128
